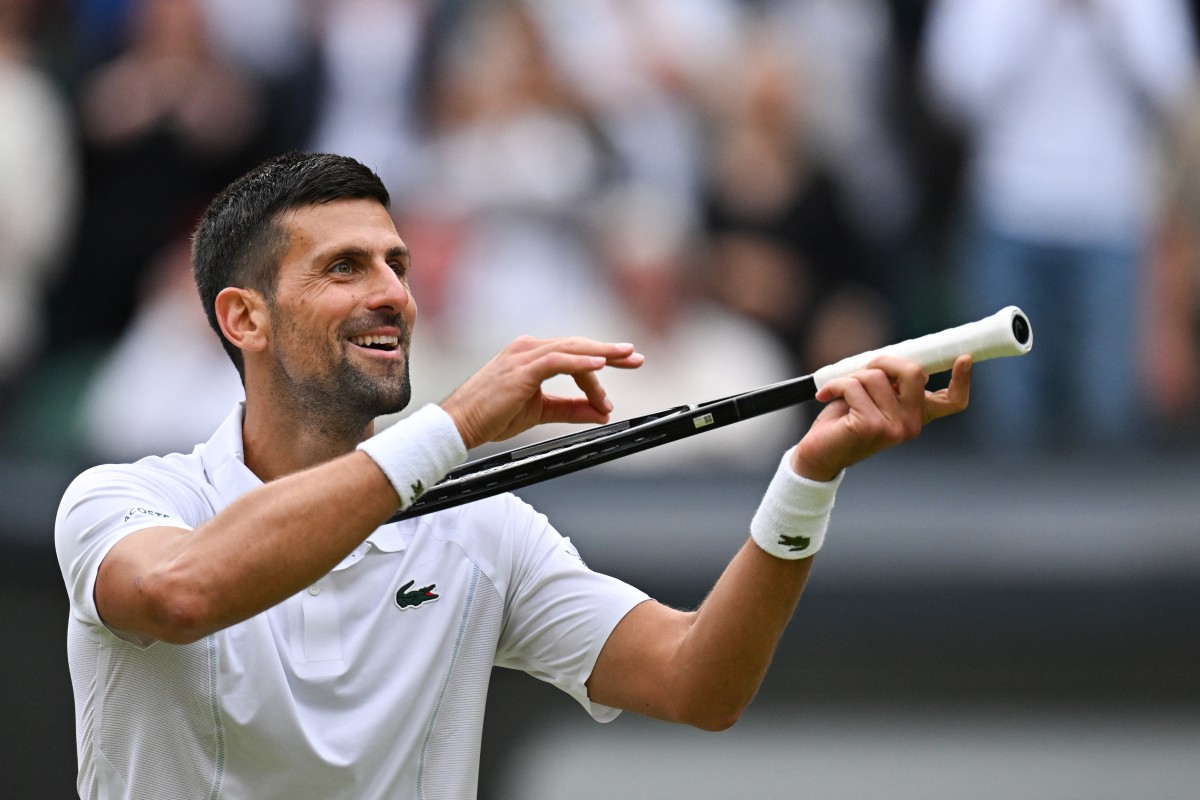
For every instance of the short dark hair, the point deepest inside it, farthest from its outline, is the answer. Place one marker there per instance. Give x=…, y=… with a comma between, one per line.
x=238, y=241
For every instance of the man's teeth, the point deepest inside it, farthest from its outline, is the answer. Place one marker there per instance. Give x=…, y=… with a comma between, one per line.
x=367, y=341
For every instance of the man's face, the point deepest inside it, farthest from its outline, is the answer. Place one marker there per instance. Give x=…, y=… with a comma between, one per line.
x=342, y=317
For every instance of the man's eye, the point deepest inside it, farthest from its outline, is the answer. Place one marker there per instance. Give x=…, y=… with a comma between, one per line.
x=342, y=268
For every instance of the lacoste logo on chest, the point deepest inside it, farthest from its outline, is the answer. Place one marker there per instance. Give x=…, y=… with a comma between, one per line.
x=407, y=597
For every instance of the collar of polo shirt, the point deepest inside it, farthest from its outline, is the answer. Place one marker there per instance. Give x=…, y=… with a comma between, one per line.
x=224, y=461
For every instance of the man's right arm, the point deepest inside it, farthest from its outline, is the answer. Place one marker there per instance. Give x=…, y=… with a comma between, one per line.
x=176, y=585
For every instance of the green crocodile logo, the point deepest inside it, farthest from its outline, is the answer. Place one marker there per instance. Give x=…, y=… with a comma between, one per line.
x=412, y=599
x=794, y=543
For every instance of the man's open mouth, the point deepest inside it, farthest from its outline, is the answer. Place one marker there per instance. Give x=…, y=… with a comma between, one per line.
x=387, y=343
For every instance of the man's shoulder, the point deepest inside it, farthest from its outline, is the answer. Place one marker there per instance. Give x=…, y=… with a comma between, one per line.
x=493, y=517
x=497, y=533
x=173, y=466
x=109, y=501
x=173, y=474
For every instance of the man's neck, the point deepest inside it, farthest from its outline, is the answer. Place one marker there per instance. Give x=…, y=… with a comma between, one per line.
x=277, y=443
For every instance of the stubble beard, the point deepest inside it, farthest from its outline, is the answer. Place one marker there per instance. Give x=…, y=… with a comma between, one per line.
x=345, y=399
x=366, y=397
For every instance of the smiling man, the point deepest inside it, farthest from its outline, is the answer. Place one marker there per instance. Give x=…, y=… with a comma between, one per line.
x=245, y=625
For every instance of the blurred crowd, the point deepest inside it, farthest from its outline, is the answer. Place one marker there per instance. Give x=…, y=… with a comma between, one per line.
x=746, y=189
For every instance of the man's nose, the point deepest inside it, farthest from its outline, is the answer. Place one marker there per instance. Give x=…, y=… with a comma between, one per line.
x=388, y=289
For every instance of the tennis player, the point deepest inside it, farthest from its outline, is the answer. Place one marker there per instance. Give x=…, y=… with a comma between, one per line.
x=243, y=624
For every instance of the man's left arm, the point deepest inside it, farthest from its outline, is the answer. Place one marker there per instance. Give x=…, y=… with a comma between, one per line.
x=703, y=667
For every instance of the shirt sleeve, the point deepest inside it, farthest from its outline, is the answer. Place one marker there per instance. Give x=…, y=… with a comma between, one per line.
x=559, y=612
x=100, y=508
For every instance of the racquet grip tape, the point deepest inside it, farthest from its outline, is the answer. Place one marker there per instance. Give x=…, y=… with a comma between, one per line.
x=1005, y=333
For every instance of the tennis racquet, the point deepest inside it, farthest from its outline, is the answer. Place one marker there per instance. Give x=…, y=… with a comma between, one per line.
x=1005, y=333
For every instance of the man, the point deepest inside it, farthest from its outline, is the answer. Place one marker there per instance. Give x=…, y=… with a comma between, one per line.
x=242, y=625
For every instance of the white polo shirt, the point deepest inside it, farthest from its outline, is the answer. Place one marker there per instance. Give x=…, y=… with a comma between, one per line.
x=369, y=684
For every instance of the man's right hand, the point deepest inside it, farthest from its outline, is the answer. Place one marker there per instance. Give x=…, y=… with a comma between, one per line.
x=505, y=397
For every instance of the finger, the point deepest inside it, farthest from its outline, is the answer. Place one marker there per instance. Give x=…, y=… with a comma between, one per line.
x=577, y=355
x=883, y=390
x=560, y=363
x=582, y=368
x=589, y=383
x=857, y=401
x=895, y=387
x=581, y=345
x=898, y=403
x=907, y=376
x=955, y=397
x=631, y=361
x=576, y=410
x=886, y=408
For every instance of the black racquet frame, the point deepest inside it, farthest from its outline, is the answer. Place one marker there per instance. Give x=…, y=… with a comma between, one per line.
x=513, y=469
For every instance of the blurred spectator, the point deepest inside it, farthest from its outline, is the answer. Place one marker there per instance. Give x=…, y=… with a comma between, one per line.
x=644, y=69
x=269, y=38
x=656, y=261
x=510, y=163
x=788, y=255
x=99, y=25
x=1171, y=347
x=653, y=254
x=167, y=382
x=165, y=125
x=1061, y=101
x=510, y=235
x=372, y=68
x=39, y=188
x=275, y=43
x=842, y=59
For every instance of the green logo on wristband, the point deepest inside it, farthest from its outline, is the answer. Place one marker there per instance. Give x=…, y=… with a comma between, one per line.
x=418, y=489
x=794, y=543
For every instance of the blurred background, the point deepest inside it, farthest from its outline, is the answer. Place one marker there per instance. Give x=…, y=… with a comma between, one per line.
x=748, y=190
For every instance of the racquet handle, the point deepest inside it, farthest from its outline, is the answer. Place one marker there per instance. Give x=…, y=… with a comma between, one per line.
x=1005, y=333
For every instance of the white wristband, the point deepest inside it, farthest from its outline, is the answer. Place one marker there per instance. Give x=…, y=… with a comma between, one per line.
x=791, y=520
x=417, y=451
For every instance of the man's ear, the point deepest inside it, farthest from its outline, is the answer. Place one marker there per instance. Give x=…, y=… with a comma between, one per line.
x=244, y=318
